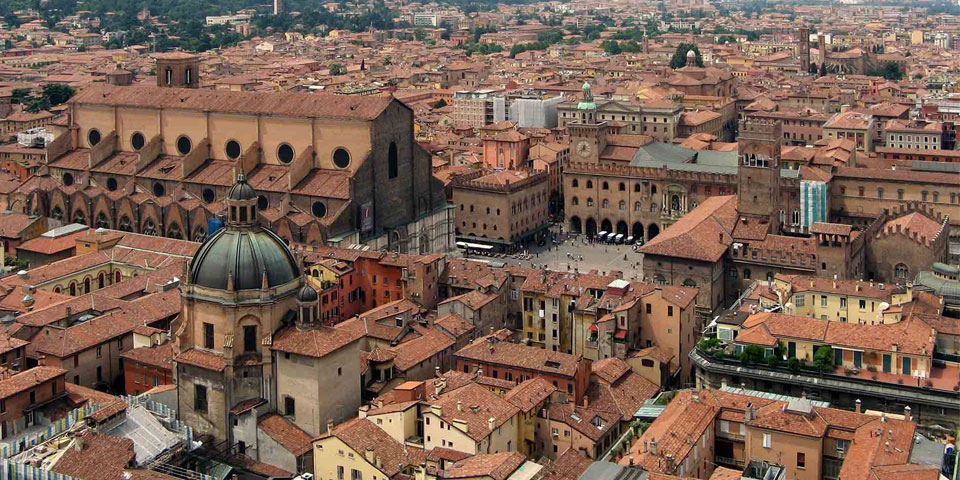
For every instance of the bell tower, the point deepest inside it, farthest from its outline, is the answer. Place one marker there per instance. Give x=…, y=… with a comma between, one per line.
x=758, y=186
x=587, y=135
x=178, y=69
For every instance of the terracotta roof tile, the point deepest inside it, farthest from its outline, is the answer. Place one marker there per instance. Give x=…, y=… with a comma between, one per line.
x=288, y=435
x=348, y=107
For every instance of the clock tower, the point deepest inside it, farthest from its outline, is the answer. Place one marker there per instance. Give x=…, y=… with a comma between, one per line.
x=587, y=135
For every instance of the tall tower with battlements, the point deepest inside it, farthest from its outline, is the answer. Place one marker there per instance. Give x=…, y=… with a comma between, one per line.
x=759, y=172
x=804, y=34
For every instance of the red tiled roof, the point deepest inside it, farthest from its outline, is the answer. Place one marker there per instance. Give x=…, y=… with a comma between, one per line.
x=497, y=466
x=702, y=234
x=490, y=349
x=316, y=342
x=202, y=359
x=28, y=379
x=348, y=107
x=160, y=356
x=288, y=435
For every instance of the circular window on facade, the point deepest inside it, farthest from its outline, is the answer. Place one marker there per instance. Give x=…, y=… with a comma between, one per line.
x=93, y=137
x=67, y=179
x=158, y=189
x=319, y=209
x=137, y=140
x=233, y=149
x=184, y=145
x=112, y=184
x=341, y=158
x=262, y=202
x=285, y=153
x=208, y=195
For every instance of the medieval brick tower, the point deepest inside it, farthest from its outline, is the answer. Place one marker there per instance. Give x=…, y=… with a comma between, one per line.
x=821, y=49
x=804, y=35
x=759, y=173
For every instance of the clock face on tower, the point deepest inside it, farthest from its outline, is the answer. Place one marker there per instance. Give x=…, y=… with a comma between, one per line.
x=583, y=148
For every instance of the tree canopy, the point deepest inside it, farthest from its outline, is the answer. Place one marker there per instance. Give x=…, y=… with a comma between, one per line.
x=679, y=58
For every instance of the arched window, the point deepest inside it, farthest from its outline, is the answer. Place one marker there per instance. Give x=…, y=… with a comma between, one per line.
x=57, y=213
x=101, y=280
x=79, y=217
x=623, y=187
x=575, y=201
x=124, y=224
x=149, y=227
x=575, y=183
x=606, y=186
x=86, y=285
x=102, y=221
x=660, y=280
x=73, y=289
x=393, y=166
x=623, y=205
x=653, y=189
x=901, y=271
x=174, y=231
x=589, y=202
x=636, y=188
x=746, y=274
x=589, y=183
x=606, y=203
x=689, y=283
x=675, y=202
x=637, y=206
x=117, y=277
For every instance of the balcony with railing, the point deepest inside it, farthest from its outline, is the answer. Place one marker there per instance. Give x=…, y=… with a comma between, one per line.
x=729, y=462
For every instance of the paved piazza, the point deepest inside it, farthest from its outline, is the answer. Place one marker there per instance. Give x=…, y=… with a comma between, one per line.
x=575, y=253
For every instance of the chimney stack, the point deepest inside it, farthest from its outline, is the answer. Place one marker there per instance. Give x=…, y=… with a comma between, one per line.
x=491, y=423
x=653, y=446
x=858, y=405
x=329, y=425
x=459, y=405
x=908, y=413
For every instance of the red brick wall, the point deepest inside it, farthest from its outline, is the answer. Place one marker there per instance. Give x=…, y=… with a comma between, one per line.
x=138, y=377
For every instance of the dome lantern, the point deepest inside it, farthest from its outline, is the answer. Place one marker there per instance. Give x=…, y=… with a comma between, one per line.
x=241, y=203
x=307, y=300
